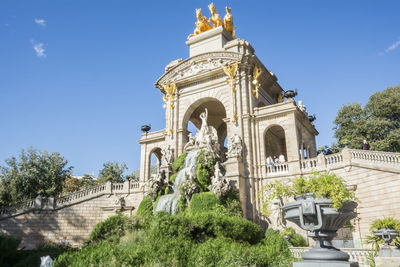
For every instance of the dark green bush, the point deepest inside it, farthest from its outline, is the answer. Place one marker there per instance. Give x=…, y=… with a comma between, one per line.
x=206, y=201
x=232, y=204
x=179, y=163
x=8, y=249
x=110, y=229
x=145, y=208
x=276, y=248
x=295, y=239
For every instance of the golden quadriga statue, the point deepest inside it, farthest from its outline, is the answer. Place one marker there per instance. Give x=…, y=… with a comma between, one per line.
x=202, y=24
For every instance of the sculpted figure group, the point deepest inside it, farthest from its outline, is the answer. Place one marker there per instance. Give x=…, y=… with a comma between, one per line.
x=203, y=24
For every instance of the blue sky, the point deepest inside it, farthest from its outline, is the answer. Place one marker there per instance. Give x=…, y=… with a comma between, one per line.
x=77, y=76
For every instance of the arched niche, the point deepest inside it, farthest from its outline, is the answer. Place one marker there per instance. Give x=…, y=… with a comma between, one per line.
x=216, y=116
x=154, y=159
x=275, y=142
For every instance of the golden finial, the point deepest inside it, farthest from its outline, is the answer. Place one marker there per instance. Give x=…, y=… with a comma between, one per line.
x=231, y=70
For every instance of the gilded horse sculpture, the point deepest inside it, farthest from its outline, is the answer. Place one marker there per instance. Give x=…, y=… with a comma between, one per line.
x=202, y=24
x=215, y=18
x=228, y=22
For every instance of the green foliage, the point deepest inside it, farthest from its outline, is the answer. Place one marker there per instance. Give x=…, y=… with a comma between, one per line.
x=8, y=249
x=145, y=208
x=204, y=239
x=179, y=163
x=10, y=256
x=205, y=169
x=110, y=229
x=73, y=184
x=323, y=184
x=295, y=239
x=113, y=172
x=378, y=121
x=173, y=177
x=35, y=172
x=206, y=201
x=387, y=222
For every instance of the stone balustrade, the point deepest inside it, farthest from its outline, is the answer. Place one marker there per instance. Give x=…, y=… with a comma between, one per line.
x=347, y=157
x=50, y=203
x=375, y=156
x=356, y=254
x=277, y=168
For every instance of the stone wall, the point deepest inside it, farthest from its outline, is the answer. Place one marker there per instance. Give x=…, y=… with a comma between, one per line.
x=374, y=175
x=70, y=218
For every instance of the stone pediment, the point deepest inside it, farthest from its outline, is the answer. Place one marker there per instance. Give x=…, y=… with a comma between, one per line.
x=198, y=65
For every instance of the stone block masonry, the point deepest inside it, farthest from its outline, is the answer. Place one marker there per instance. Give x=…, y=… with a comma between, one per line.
x=68, y=219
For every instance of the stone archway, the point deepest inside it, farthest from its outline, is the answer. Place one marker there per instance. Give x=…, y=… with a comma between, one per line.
x=216, y=116
x=157, y=153
x=275, y=142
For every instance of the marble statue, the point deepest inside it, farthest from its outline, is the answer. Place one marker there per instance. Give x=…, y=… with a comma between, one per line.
x=219, y=184
x=167, y=155
x=235, y=146
x=275, y=218
x=302, y=107
x=206, y=138
x=156, y=184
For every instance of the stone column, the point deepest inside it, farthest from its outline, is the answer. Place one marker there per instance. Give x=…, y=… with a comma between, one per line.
x=236, y=175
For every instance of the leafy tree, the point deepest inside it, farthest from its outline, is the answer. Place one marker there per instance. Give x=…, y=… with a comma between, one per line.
x=73, y=184
x=87, y=180
x=35, y=172
x=378, y=122
x=113, y=172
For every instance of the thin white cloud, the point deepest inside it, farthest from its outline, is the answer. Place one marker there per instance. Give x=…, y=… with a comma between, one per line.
x=39, y=48
x=41, y=22
x=390, y=48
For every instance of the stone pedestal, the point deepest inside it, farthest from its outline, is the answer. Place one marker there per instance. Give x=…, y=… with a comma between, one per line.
x=388, y=257
x=387, y=261
x=325, y=264
x=211, y=40
x=236, y=176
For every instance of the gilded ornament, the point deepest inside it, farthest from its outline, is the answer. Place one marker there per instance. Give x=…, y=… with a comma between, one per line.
x=256, y=74
x=231, y=71
x=215, y=18
x=202, y=24
x=228, y=22
x=168, y=98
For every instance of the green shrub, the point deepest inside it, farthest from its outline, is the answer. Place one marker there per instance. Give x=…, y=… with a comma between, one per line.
x=145, y=208
x=276, y=248
x=323, y=184
x=206, y=201
x=110, y=229
x=231, y=202
x=179, y=163
x=388, y=222
x=8, y=249
x=295, y=239
x=205, y=169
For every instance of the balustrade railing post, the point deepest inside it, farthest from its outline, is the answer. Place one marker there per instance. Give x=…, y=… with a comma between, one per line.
x=127, y=187
x=109, y=187
x=38, y=202
x=346, y=154
x=321, y=164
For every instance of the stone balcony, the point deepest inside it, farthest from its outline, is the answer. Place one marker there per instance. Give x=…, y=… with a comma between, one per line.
x=376, y=160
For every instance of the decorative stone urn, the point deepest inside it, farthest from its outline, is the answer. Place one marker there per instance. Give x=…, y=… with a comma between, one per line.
x=387, y=235
x=317, y=216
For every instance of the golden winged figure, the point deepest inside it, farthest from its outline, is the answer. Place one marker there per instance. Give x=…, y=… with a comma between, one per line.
x=231, y=69
x=256, y=74
x=169, y=88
